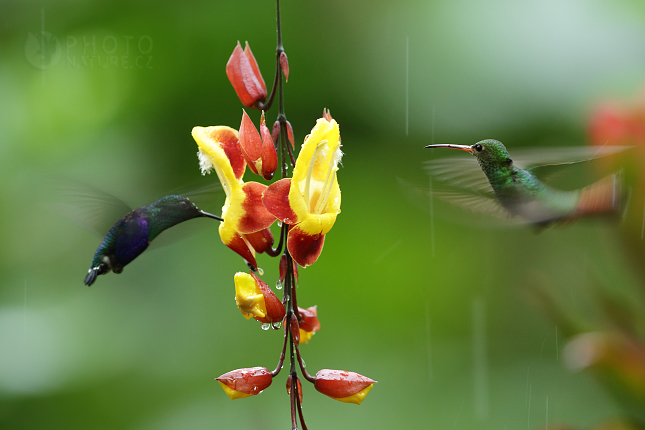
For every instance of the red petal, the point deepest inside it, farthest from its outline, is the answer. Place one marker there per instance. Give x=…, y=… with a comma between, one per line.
x=275, y=308
x=284, y=64
x=304, y=248
x=250, y=141
x=230, y=143
x=260, y=240
x=276, y=201
x=256, y=217
x=340, y=383
x=240, y=246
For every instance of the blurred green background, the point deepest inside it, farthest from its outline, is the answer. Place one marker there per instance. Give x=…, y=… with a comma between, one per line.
x=435, y=306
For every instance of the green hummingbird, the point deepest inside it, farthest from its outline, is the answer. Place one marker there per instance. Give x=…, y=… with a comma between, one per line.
x=508, y=190
x=132, y=234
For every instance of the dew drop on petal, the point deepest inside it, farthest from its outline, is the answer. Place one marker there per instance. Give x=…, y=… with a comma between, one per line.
x=278, y=285
x=266, y=326
x=279, y=223
x=277, y=325
x=260, y=271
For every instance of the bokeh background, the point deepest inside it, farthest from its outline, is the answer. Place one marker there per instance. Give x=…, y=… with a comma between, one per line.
x=463, y=325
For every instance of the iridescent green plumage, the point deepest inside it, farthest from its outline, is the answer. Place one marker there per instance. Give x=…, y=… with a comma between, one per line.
x=510, y=190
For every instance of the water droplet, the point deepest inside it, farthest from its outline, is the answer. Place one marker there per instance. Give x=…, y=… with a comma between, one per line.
x=277, y=325
x=260, y=271
x=266, y=326
x=278, y=285
x=279, y=223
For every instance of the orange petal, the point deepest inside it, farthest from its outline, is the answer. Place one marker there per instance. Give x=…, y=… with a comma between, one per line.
x=255, y=67
x=304, y=247
x=276, y=201
x=255, y=217
x=260, y=240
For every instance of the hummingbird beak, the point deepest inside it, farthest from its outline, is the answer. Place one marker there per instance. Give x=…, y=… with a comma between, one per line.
x=466, y=148
x=209, y=215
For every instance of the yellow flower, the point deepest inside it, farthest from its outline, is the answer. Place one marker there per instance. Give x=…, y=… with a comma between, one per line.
x=245, y=228
x=310, y=201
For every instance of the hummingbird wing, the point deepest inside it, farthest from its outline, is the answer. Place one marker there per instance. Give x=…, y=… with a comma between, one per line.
x=86, y=205
x=535, y=159
x=483, y=202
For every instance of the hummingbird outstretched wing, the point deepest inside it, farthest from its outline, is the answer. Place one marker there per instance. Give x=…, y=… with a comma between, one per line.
x=86, y=205
x=483, y=202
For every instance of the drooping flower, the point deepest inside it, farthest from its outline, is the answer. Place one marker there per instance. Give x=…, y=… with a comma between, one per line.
x=347, y=387
x=259, y=152
x=256, y=300
x=245, y=228
x=309, y=324
x=243, y=72
x=242, y=383
x=310, y=200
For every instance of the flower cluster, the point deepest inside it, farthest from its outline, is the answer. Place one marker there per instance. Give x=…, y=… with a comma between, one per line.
x=305, y=207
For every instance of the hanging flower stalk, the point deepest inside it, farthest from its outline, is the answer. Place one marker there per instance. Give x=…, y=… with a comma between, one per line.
x=306, y=204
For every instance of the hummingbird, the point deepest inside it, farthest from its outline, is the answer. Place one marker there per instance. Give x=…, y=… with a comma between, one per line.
x=132, y=234
x=508, y=190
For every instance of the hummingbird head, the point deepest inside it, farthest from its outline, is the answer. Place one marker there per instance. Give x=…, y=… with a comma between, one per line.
x=182, y=207
x=491, y=154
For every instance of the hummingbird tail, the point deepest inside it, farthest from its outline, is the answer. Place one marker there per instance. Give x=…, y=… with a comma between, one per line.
x=91, y=276
x=602, y=197
x=94, y=272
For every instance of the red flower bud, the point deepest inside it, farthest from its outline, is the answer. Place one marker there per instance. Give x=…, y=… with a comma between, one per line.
x=275, y=133
x=259, y=152
x=348, y=387
x=309, y=319
x=289, y=384
x=284, y=64
x=242, y=383
x=243, y=72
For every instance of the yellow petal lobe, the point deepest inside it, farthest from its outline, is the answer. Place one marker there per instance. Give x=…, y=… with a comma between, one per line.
x=249, y=297
x=356, y=398
x=233, y=394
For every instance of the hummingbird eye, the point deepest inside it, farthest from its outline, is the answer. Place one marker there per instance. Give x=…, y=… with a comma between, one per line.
x=479, y=147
